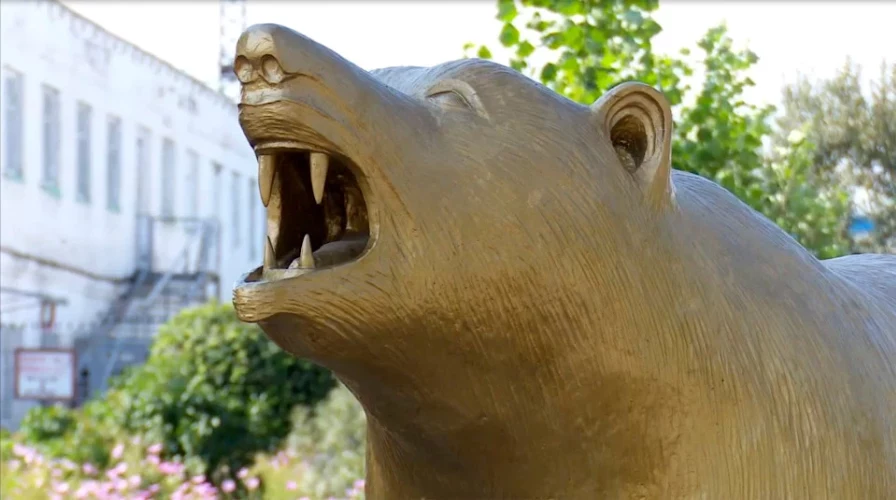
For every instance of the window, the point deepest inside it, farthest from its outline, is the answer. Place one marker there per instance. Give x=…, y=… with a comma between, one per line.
x=83, y=127
x=143, y=175
x=192, y=184
x=14, y=102
x=250, y=198
x=113, y=164
x=235, y=208
x=51, y=143
x=168, y=184
x=11, y=337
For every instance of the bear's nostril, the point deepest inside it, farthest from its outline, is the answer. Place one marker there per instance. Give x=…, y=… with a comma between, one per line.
x=271, y=69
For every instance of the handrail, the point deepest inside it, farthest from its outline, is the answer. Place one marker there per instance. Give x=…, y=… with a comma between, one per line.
x=199, y=231
x=114, y=314
x=182, y=258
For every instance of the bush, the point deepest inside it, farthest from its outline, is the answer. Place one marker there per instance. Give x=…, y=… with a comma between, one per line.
x=330, y=440
x=47, y=423
x=59, y=432
x=214, y=391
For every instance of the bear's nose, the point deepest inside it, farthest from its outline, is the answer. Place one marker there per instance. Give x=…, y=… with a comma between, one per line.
x=271, y=51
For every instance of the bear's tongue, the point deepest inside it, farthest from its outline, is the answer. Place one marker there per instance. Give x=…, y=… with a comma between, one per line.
x=316, y=214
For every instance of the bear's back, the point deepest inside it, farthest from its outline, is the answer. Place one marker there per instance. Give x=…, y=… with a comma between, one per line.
x=873, y=273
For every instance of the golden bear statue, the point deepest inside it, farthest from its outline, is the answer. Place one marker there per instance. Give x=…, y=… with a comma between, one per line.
x=529, y=302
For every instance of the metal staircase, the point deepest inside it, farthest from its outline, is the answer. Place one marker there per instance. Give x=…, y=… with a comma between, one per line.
x=177, y=262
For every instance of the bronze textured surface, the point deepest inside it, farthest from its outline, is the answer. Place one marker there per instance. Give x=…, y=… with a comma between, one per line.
x=529, y=302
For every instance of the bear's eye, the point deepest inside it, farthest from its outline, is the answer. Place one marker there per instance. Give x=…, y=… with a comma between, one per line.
x=449, y=98
x=455, y=94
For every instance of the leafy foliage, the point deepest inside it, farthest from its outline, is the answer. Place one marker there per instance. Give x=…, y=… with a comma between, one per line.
x=582, y=49
x=215, y=391
x=45, y=423
x=855, y=136
x=793, y=196
x=334, y=436
x=60, y=432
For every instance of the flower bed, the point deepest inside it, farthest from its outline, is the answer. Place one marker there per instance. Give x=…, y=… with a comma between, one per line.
x=140, y=472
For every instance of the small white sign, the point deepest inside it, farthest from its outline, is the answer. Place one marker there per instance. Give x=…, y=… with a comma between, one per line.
x=45, y=374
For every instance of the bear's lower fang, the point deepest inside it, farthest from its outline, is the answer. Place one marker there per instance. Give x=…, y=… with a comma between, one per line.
x=316, y=212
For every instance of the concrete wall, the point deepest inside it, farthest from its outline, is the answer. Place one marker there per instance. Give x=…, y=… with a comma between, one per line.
x=81, y=250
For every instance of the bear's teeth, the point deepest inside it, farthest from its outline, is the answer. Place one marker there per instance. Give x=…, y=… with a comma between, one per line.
x=320, y=162
x=306, y=257
x=269, y=185
x=266, y=169
x=269, y=258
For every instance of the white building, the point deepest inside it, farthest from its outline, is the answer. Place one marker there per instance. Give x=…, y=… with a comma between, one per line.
x=127, y=189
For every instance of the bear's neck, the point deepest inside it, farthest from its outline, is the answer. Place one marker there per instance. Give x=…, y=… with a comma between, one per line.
x=480, y=467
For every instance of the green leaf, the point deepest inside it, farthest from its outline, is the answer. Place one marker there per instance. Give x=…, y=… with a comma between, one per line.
x=506, y=10
x=509, y=35
x=484, y=53
x=548, y=73
x=633, y=16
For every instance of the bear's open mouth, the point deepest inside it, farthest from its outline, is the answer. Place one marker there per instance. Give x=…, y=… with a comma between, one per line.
x=316, y=212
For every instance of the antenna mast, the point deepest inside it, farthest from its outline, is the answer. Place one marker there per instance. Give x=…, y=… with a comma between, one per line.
x=232, y=21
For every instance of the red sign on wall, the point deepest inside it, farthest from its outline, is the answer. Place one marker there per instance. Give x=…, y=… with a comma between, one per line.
x=45, y=374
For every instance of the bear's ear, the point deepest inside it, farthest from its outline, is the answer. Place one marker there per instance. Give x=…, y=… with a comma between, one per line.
x=638, y=121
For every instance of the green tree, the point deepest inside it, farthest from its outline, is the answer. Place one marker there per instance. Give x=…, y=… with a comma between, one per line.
x=855, y=136
x=582, y=49
x=215, y=391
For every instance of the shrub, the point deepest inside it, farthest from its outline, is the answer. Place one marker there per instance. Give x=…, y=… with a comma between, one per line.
x=47, y=423
x=59, y=432
x=330, y=440
x=214, y=391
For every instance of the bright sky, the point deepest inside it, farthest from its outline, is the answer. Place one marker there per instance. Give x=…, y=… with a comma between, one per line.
x=789, y=37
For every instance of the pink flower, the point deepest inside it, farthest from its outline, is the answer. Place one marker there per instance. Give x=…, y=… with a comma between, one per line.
x=170, y=468
x=242, y=473
x=291, y=485
x=198, y=479
x=88, y=469
x=228, y=485
x=60, y=488
x=155, y=449
x=135, y=480
x=154, y=488
x=153, y=459
x=121, y=484
x=117, y=451
x=206, y=489
x=21, y=450
x=359, y=484
x=252, y=483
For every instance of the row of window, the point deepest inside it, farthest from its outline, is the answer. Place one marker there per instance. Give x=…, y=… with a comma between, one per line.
x=51, y=142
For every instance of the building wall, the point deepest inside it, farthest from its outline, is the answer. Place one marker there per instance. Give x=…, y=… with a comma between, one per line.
x=56, y=241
